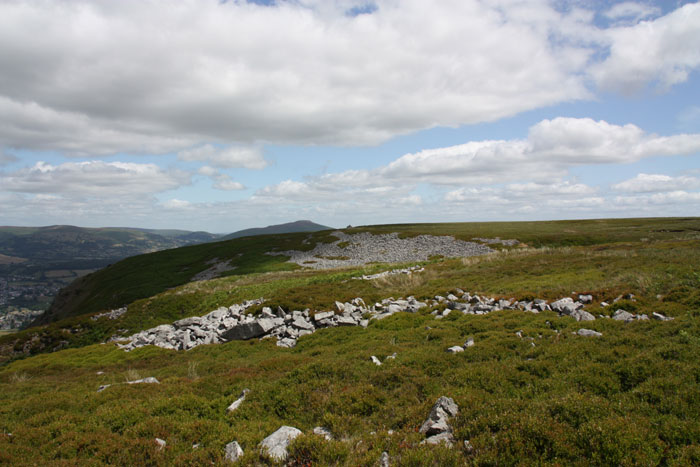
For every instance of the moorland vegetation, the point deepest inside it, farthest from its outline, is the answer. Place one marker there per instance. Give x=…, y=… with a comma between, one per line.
x=629, y=397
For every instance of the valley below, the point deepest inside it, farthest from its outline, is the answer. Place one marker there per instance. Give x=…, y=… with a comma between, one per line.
x=569, y=343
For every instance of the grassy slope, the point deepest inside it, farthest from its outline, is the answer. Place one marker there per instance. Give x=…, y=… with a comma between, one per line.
x=630, y=397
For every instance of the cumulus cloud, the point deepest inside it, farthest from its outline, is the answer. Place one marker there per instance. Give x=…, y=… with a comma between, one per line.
x=651, y=183
x=222, y=181
x=93, y=178
x=226, y=157
x=176, y=204
x=91, y=78
x=663, y=51
x=551, y=148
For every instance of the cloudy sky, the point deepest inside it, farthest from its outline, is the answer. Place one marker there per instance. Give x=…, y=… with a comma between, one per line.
x=211, y=115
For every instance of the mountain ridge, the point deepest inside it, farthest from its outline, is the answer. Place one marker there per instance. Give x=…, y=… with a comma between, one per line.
x=288, y=227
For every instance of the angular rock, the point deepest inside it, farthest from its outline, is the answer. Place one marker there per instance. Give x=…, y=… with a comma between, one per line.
x=582, y=315
x=469, y=342
x=303, y=324
x=565, y=306
x=375, y=360
x=660, y=317
x=149, y=380
x=243, y=331
x=161, y=443
x=237, y=403
x=444, y=437
x=276, y=444
x=323, y=316
x=455, y=349
x=287, y=342
x=346, y=321
x=585, y=298
x=622, y=315
x=436, y=423
x=588, y=333
x=384, y=459
x=233, y=451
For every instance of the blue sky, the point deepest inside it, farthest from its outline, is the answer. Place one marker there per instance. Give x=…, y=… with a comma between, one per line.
x=218, y=116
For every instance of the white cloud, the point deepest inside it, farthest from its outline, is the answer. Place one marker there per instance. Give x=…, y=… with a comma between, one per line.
x=552, y=147
x=226, y=184
x=227, y=157
x=175, y=203
x=94, y=178
x=651, y=183
x=662, y=51
x=631, y=11
x=680, y=199
x=92, y=78
x=221, y=181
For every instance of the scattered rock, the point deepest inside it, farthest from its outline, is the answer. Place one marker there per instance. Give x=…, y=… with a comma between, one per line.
x=233, y=451
x=323, y=431
x=161, y=443
x=375, y=360
x=469, y=342
x=149, y=380
x=588, y=333
x=622, y=315
x=393, y=272
x=384, y=459
x=276, y=444
x=237, y=403
x=113, y=314
x=455, y=349
x=660, y=317
x=585, y=299
x=582, y=315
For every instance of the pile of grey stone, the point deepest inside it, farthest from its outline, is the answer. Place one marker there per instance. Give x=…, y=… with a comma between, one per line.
x=362, y=248
x=393, y=272
x=112, y=314
x=233, y=323
x=211, y=328
x=496, y=241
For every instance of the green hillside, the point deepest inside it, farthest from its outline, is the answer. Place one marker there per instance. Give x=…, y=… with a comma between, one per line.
x=530, y=391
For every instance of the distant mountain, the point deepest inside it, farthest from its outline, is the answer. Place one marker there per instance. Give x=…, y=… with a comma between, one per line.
x=36, y=262
x=290, y=227
x=67, y=242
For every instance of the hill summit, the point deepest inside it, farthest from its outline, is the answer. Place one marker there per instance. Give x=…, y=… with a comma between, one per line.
x=289, y=227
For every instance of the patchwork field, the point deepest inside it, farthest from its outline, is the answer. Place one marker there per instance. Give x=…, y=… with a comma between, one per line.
x=530, y=390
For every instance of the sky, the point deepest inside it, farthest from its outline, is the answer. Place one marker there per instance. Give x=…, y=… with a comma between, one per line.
x=223, y=115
